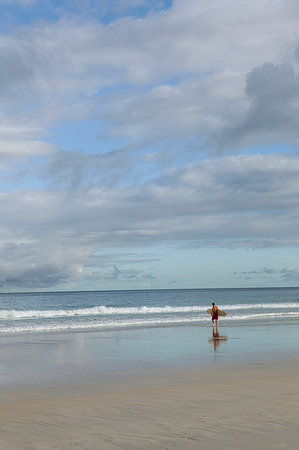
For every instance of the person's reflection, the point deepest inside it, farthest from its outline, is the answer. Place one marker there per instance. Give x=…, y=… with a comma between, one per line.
x=216, y=338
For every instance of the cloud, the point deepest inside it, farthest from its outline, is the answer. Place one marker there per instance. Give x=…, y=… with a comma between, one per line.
x=266, y=270
x=238, y=201
x=122, y=259
x=108, y=267
x=285, y=274
x=290, y=274
x=205, y=95
x=272, y=116
x=36, y=264
x=182, y=66
x=73, y=169
x=169, y=85
x=19, y=139
x=118, y=274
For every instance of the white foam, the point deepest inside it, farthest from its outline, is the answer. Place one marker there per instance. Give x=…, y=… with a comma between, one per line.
x=290, y=305
x=96, y=311
x=143, y=310
x=96, y=324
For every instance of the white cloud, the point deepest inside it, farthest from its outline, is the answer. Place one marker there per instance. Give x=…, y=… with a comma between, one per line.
x=229, y=202
x=185, y=70
x=224, y=74
x=19, y=139
x=190, y=39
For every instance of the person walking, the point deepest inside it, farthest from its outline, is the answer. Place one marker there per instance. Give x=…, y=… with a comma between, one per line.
x=214, y=314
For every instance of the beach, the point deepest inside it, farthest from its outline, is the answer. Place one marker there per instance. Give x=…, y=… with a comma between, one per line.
x=236, y=409
x=139, y=389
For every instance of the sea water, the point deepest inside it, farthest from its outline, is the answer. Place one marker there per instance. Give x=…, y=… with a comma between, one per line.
x=117, y=310
x=67, y=338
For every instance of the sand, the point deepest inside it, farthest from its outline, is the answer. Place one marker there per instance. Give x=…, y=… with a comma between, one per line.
x=220, y=406
x=164, y=388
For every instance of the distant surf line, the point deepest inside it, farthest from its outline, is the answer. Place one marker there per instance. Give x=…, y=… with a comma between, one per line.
x=103, y=310
x=88, y=324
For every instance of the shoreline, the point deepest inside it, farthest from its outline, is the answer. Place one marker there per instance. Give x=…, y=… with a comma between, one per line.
x=45, y=359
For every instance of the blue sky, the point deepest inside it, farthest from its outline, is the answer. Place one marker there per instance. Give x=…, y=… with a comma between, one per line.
x=148, y=144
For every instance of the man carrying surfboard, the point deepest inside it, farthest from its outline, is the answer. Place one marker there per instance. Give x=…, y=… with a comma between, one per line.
x=214, y=313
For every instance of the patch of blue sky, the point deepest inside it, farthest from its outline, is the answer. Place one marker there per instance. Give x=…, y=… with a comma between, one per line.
x=267, y=149
x=137, y=8
x=195, y=268
x=105, y=12
x=87, y=136
x=24, y=176
x=25, y=14
x=149, y=159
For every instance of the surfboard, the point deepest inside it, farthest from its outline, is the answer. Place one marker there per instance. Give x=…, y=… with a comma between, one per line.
x=220, y=312
x=219, y=338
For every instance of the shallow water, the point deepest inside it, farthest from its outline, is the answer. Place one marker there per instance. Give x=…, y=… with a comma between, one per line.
x=82, y=357
x=118, y=310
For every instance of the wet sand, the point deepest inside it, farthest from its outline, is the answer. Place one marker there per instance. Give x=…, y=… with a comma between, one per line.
x=222, y=404
x=235, y=407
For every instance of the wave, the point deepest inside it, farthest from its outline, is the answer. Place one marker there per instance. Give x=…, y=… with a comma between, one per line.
x=290, y=305
x=143, y=310
x=96, y=324
x=109, y=325
x=96, y=311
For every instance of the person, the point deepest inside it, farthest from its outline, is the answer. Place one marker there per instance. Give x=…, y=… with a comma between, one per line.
x=214, y=313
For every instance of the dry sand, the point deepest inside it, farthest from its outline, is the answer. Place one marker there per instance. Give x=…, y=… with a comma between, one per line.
x=218, y=407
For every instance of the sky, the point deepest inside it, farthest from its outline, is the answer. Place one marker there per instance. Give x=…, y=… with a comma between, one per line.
x=149, y=144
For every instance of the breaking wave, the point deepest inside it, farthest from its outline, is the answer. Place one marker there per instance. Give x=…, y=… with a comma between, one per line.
x=143, y=310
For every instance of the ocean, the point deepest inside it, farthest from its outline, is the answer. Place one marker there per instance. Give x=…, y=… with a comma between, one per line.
x=117, y=310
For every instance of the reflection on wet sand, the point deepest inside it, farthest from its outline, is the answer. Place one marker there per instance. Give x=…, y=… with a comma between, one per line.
x=216, y=338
